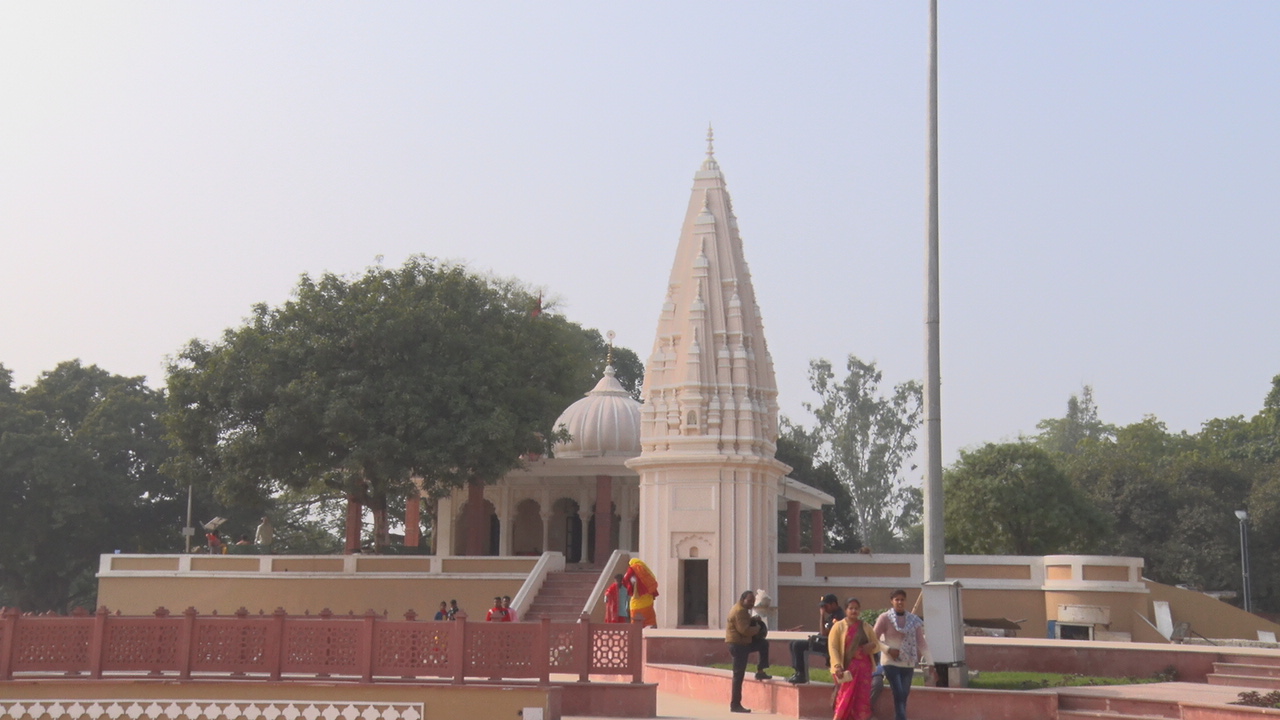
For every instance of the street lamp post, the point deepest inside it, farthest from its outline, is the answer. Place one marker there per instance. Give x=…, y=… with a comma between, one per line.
x=1243, y=516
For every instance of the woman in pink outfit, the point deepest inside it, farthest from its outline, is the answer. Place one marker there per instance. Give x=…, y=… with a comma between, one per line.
x=852, y=646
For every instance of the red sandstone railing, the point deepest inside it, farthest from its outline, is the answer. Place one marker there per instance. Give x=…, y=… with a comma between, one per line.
x=280, y=646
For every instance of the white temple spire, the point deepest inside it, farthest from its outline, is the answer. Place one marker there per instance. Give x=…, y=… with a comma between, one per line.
x=709, y=421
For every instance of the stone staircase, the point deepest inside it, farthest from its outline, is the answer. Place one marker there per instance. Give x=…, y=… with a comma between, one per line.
x=1092, y=707
x=563, y=594
x=1258, y=672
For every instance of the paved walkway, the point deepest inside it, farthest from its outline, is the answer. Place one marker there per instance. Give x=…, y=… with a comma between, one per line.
x=1171, y=691
x=677, y=707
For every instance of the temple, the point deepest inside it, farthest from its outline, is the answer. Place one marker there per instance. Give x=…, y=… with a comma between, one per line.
x=687, y=479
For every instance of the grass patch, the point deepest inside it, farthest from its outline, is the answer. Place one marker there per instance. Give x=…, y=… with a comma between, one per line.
x=1035, y=681
x=984, y=680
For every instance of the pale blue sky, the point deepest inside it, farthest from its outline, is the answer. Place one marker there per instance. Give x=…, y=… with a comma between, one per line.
x=1110, y=176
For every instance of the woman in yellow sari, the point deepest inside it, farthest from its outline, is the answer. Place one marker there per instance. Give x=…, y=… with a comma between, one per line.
x=852, y=646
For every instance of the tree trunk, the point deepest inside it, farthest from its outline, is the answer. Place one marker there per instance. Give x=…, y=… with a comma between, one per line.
x=380, y=526
x=355, y=512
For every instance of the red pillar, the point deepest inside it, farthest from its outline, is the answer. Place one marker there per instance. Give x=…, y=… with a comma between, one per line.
x=355, y=511
x=819, y=533
x=477, y=520
x=413, y=519
x=793, y=526
x=604, y=518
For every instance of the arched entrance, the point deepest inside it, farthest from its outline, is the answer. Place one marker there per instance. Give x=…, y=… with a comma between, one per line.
x=491, y=532
x=526, y=528
x=566, y=530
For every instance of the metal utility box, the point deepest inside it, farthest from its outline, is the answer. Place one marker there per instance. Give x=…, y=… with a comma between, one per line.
x=944, y=621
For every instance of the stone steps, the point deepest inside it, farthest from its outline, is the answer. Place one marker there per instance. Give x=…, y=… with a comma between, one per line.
x=1101, y=715
x=1253, y=669
x=1082, y=706
x=1245, y=681
x=562, y=595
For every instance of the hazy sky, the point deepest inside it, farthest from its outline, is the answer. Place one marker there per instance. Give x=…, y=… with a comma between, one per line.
x=1110, y=179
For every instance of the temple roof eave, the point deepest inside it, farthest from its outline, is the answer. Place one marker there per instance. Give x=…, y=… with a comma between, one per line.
x=809, y=497
x=614, y=466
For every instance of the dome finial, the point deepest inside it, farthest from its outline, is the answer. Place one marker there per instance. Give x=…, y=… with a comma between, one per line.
x=608, y=359
x=711, y=140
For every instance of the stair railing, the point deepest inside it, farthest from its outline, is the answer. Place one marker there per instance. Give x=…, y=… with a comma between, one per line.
x=549, y=562
x=617, y=560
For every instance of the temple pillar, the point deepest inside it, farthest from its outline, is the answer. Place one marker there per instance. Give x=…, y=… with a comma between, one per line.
x=546, y=527
x=442, y=530
x=505, y=520
x=584, y=516
x=604, y=518
x=793, y=526
x=817, y=533
x=477, y=520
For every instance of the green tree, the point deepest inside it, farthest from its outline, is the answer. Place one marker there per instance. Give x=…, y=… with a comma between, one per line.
x=866, y=438
x=1013, y=499
x=840, y=525
x=356, y=385
x=1066, y=434
x=80, y=457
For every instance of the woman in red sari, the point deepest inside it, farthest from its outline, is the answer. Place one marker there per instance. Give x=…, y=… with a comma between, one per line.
x=852, y=646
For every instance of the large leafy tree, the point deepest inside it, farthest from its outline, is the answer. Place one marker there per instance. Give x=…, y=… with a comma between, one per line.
x=80, y=457
x=1013, y=499
x=356, y=385
x=866, y=437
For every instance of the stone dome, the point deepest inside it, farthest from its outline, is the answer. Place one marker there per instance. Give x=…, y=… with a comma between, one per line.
x=604, y=423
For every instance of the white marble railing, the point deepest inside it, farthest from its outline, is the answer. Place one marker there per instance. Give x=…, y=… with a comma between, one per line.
x=549, y=562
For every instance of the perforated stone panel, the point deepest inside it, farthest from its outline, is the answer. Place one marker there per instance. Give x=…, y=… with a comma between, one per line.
x=501, y=649
x=229, y=646
x=322, y=648
x=610, y=650
x=140, y=645
x=57, y=644
x=411, y=649
x=561, y=649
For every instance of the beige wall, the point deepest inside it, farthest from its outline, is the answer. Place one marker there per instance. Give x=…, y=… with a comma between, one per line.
x=1209, y=617
x=142, y=595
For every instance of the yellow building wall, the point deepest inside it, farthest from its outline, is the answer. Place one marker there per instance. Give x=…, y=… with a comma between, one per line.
x=297, y=595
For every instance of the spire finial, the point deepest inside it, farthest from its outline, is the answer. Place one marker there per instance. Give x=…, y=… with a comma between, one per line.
x=608, y=359
x=711, y=139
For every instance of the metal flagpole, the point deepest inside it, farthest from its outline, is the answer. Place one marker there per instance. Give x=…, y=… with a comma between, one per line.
x=942, y=599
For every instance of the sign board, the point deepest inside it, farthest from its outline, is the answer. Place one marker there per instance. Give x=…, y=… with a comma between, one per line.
x=1084, y=614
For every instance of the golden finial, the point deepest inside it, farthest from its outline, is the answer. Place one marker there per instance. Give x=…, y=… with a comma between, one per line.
x=608, y=360
x=711, y=140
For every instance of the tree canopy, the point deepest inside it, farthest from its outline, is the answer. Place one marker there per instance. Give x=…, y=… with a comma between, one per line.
x=356, y=385
x=1012, y=499
x=865, y=438
x=80, y=457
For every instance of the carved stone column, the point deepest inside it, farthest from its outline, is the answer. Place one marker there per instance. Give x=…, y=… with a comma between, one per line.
x=793, y=526
x=604, y=518
x=819, y=533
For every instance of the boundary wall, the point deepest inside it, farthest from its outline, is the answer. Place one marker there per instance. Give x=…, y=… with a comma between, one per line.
x=389, y=584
